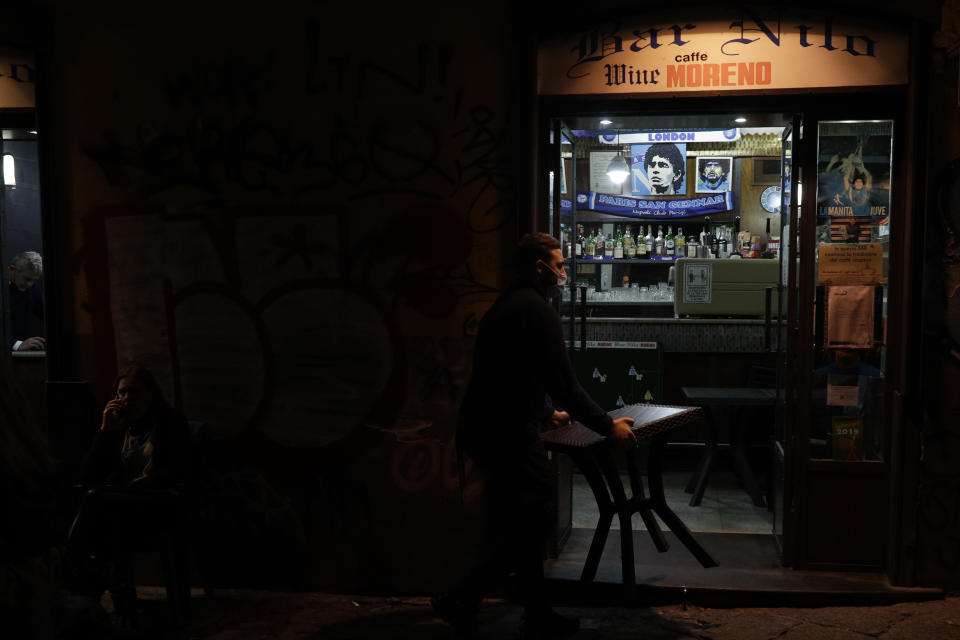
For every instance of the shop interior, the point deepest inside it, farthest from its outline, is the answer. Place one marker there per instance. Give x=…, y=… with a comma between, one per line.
x=626, y=306
x=742, y=158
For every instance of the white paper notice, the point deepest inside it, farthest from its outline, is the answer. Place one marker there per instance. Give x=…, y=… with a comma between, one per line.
x=850, y=317
x=599, y=181
x=697, y=282
x=839, y=396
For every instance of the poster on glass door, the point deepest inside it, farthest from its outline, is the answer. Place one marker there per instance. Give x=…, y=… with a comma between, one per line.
x=853, y=168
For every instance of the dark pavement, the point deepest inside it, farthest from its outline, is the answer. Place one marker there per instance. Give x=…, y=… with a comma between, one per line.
x=259, y=615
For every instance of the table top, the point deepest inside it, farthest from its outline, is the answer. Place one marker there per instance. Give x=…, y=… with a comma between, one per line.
x=29, y=354
x=741, y=396
x=649, y=420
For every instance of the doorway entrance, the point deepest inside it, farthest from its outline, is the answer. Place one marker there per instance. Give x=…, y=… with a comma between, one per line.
x=699, y=187
x=702, y=272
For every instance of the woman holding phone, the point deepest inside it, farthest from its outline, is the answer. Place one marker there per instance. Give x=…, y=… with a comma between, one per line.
x=139, y=457
x=142, y=442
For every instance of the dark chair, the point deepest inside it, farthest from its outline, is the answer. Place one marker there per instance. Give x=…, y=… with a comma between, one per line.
x=171, y=523
x=199, y=507
x=762, y=419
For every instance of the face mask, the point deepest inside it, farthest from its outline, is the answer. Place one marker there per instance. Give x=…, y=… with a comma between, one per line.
x=561, y=277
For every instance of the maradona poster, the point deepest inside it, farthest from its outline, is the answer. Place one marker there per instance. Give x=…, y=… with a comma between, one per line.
x=658, y=169
x=854, y=166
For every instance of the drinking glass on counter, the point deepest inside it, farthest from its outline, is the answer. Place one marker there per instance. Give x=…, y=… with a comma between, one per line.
x=662, y=291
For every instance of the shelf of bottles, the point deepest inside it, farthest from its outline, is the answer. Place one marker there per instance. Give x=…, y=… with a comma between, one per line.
x=643, y=243
x=589, y=245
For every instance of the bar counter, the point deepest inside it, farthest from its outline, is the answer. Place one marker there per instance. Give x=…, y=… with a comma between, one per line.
x=682, y=335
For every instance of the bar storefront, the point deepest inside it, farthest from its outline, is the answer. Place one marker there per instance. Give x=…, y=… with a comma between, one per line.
x=734, y=196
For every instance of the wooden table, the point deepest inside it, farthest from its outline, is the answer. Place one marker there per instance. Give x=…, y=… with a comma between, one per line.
x=595, y=459
x=709, y=397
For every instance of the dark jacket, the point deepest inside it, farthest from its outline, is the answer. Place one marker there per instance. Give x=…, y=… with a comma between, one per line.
x=153, y=451
x=520, y=365
x=26, y=313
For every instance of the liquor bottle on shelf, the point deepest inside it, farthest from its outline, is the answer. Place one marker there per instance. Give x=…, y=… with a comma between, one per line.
x=743, y=243
x=669, y=245
x=618, y=245
x=608, y=246
x=566, y=241
x=658, y=241
x=680, y=243
x=629, y=246
x=641, y=245
x=601, y=241
x=648, y=240
x=581, y=241
x=591, y=246
x=723, y=250
x=693, y=246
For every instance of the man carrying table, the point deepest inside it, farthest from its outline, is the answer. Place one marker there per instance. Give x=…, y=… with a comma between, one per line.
x=521, y=371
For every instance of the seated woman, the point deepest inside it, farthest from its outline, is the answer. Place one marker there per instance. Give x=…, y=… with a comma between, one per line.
x=139, y=457
x=142, y=442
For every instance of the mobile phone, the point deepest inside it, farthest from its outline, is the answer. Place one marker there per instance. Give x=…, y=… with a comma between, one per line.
x=121, y=410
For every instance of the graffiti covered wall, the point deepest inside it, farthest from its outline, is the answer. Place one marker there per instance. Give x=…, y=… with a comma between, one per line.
x=295, y=219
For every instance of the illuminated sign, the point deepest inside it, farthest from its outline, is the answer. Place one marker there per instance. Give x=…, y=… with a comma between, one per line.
x=648, y=137
x=751, y=50
x=17, y=83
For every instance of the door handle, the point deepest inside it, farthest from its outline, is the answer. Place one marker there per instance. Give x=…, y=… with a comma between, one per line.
x=583, y=318
x=767, y=304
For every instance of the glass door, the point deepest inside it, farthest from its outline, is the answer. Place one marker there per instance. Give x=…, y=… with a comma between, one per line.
x=830, y=445
x=785, y=338
x=562, y=177
x=559, y=162
x=843, y=485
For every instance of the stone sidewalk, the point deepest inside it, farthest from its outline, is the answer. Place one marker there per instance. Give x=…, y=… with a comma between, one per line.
x=260, y=615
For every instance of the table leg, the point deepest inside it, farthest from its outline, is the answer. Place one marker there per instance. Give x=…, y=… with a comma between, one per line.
x=692, y=482
x=641, y=505
x=707, y=461
x=624, y=512
x=659, y=502
x=592, y=475
x=743, y=465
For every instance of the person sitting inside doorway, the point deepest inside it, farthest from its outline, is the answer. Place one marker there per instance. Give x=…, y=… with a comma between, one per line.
x=26, y=303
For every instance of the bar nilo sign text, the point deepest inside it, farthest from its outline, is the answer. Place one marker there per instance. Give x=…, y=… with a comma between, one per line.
x=750, y=50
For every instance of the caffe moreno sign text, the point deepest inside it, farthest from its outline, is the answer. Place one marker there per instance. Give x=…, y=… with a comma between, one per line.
x=746, y=52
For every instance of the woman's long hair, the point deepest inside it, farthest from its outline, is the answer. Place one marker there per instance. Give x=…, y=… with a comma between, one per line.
x=145, y=379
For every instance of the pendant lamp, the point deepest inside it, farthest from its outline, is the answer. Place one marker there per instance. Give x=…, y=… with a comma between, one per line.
x=618, y=170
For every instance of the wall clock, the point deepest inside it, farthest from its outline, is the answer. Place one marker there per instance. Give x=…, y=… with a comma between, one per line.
x=770, y=199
